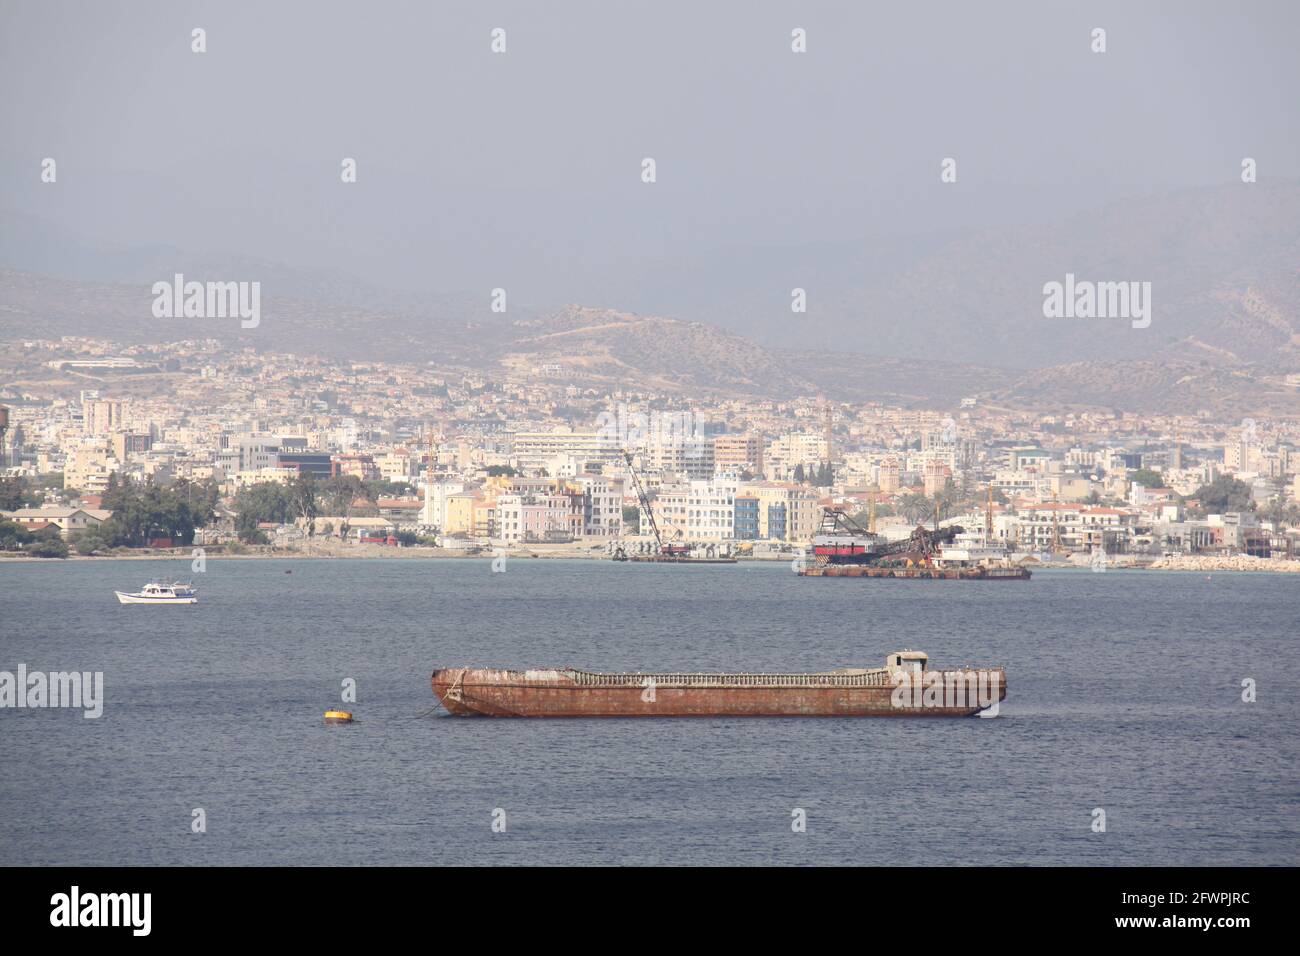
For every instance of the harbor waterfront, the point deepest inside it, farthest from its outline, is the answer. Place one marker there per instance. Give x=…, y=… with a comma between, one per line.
x=1126, y=696
x=1188, y=563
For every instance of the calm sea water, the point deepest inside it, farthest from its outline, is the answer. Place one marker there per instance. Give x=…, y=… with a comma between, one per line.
x=1124, y=694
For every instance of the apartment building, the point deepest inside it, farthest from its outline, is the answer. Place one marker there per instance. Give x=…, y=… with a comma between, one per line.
x=458, y=512
x=535, y=450
x=246, y=453
x=710, y=510
x=687, y=457
x=1077, y=527
x=1015, y=483
x=534, y=518
x=738, y=453
x=88, y=467
x=602, y=505
x=279, y=475
x=796, y=449
x=398, y=465
x=101, y=416
x=362, y=467
x=746, y=517
x=786, y=511
x=485, y=516
x=128, y=444
x=669, y=506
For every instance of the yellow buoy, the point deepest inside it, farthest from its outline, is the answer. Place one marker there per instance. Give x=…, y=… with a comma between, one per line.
x=338, y=717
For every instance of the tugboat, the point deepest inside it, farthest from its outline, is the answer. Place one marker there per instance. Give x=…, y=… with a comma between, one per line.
x=155, y=592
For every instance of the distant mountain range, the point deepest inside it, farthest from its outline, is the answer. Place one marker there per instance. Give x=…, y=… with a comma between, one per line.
x=1224, y=264
x=923, y=322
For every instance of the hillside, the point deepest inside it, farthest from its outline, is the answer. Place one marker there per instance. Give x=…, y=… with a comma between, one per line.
x=1222, y=262
x=916, y=321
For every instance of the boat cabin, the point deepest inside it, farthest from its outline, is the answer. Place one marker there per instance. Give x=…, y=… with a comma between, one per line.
x=914, y=661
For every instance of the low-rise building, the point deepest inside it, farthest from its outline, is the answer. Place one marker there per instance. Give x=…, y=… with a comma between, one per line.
x=69, y=520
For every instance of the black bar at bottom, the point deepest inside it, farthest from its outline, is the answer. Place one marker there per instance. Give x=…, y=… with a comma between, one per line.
x=334, y=906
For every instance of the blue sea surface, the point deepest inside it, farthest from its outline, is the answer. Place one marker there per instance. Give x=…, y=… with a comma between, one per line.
x=1124, y=694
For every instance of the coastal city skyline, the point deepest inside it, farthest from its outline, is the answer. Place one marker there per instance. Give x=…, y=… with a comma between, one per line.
x=465, y=461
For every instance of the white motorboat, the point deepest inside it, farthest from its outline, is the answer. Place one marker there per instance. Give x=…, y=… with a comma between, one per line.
x=155, y=592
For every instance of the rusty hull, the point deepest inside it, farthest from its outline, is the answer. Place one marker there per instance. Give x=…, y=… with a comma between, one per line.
x=919, y=573
x=566, y=693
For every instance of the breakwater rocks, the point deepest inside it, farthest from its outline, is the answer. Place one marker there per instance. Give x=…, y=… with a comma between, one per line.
x=1239, y=562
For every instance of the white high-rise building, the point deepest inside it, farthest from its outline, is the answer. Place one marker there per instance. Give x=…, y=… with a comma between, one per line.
x=797, y=449
x=711, y=509
x=688, y=456
x=102, y=417
x=604, y=501
x=247, y=453
x=533, y=450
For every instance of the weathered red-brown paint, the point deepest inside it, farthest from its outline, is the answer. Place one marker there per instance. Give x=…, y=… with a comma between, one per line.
x=502, y=693
x=937, y=574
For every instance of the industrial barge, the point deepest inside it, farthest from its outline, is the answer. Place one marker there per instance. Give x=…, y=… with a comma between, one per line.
x=665, y=551
x=674, y=554
x=844, y=549
x=903, y=687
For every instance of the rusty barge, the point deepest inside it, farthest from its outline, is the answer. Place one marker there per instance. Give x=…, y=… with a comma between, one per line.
x=903, y=687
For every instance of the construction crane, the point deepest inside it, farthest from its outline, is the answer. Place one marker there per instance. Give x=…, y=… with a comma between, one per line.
x=1058, y=546
x=837, y=521
x=643, y=499
x=988, y=515
x=829, y=437
x=841, y=540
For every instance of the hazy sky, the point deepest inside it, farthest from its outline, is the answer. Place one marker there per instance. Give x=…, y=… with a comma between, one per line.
x=523, y=169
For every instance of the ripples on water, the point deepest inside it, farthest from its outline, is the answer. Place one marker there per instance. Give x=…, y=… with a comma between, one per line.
x=1123, y=693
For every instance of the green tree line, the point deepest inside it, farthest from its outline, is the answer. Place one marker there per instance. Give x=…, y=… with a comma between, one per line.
x=143, y=510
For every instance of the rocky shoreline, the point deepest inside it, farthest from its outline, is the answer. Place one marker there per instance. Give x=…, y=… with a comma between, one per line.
x=1239, y=562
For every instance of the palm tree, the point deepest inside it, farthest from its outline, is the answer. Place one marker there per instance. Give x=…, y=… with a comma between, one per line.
x=946, y=499
x=916, y=507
